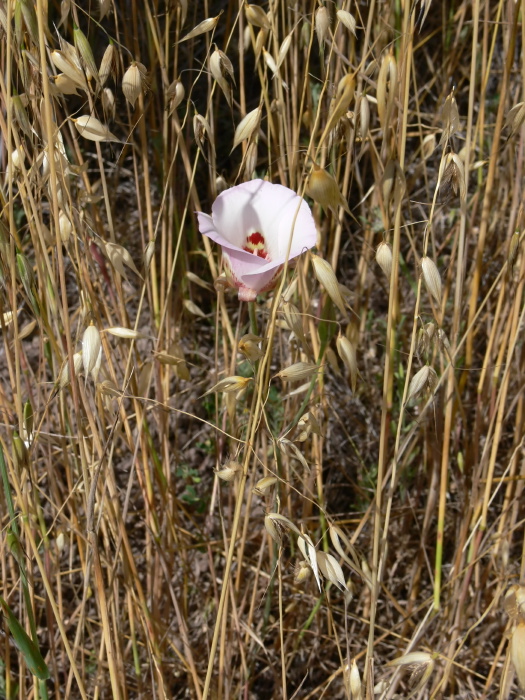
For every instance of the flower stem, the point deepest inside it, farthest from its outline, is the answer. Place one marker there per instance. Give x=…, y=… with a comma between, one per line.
x=252, y=310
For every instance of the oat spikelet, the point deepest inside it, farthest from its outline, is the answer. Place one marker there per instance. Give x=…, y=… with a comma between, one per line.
x=174, y=95
x=91, y=347
x=326, y=276
x=133, y=82
x=205, y=26
x=283, y=49
x=355, y=681
x=384, y=258
x=263, y=486
x=256, y=16
x=92, y=129
x=229, y=470
x=107, y=64
x=230, y=384
x=425, y=379
x=431, y=278
x=222, y=70
x=323, y=188
x=64, y=226
x=86, y=54
x=386, y=86
x=248, y=126
x=250, y=346
x=518, y=652
x=347, y=19
x=449, y=118
x=298, y=371
x=322, y=25
x=348, y=355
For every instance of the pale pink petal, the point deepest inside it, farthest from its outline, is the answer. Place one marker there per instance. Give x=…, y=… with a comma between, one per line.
x=253, y=222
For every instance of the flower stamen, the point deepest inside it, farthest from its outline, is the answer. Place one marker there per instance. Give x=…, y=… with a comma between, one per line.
x=256, y=244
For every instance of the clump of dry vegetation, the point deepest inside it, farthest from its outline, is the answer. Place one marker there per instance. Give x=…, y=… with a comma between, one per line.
x=315, y=494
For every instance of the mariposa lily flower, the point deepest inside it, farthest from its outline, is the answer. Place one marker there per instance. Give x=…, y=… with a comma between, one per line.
x=253, y=223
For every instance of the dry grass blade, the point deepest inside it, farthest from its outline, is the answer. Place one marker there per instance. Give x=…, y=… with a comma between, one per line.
x=378, y=385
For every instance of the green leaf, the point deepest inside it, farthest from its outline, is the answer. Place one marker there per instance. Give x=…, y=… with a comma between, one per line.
x=27, y=647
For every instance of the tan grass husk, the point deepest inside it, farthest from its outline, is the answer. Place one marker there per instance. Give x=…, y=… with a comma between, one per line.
x=92, y=129
x=263, y=486
x=203, y=27
x=355, y=681
x=298, y=371
x=222, y=70
x=256, y=16
x=384, y=258
x=347, y=353
x=322, y=25
x=326, y=277
x=323, y=188
x=449, y=119
x=247, y=127
x=133, y=82
x=431, y=278
x=86, y=54
x=91, y=346
x=348, y=20
x=107, y=64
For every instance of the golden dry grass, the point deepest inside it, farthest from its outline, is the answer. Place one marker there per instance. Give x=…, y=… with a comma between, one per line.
x=135, y=567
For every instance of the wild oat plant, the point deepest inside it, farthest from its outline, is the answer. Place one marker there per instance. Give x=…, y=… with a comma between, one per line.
x=262, y=407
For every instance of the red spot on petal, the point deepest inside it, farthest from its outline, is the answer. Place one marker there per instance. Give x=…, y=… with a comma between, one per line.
x=255, y=244
x=256, y=238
